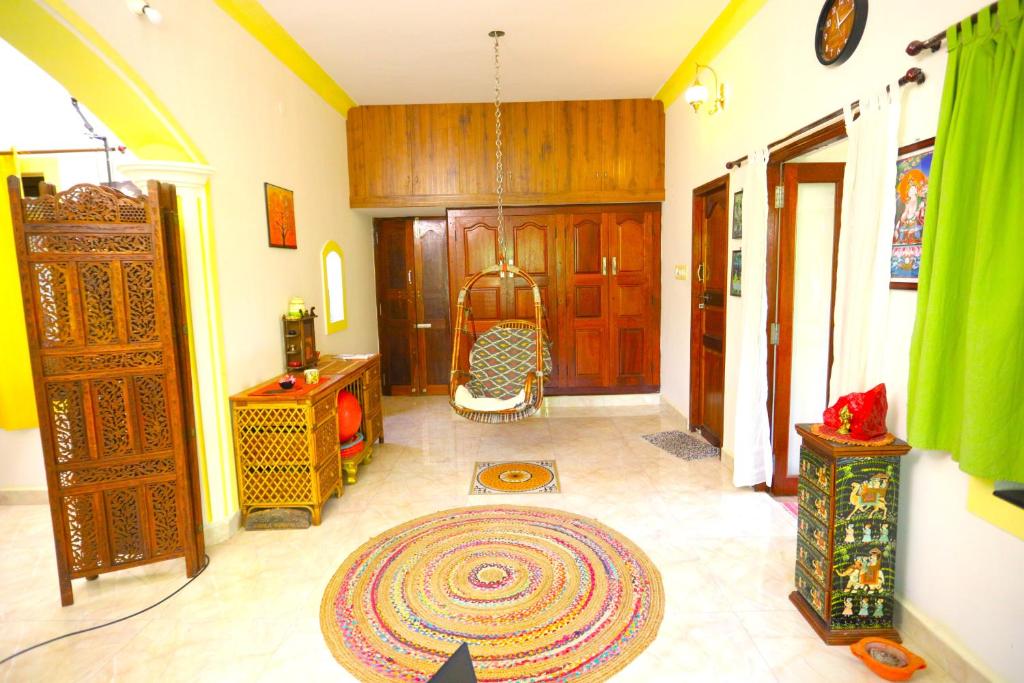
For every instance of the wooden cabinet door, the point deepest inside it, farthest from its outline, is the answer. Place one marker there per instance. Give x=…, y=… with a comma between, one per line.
x=633, y=320
x=396, y=308
x=433, y=313
x=533, y=242
x=585, y=336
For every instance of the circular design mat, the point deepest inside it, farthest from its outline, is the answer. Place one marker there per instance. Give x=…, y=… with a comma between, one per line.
x=539, y=595
x=515, y=477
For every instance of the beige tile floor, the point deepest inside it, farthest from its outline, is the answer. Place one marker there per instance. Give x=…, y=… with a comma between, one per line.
x=725, y=555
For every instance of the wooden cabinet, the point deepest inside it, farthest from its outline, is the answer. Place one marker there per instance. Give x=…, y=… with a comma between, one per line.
x=414, y=318
x=846, y=537
x=555, y=153
x=598, y=271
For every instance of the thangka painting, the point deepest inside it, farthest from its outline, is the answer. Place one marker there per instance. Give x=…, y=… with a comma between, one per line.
x=736, y=281
x=280, y=217
x=913, y=168
x=737, y=215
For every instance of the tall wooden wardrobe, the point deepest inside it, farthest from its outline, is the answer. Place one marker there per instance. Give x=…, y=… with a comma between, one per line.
x=414, y=315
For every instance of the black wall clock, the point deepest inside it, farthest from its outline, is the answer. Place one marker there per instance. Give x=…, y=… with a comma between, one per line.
x=839, y=30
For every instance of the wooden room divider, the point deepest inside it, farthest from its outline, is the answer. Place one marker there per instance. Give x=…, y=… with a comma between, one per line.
x=102, y=292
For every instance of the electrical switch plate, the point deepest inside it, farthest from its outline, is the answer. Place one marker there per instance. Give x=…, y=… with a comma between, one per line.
x=681, y=272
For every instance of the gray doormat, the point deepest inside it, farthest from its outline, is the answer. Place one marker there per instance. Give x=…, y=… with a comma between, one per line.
x=682, y=445
x=278, y=518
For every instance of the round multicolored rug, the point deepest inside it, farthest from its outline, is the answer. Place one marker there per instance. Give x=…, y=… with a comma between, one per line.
x=538, y=594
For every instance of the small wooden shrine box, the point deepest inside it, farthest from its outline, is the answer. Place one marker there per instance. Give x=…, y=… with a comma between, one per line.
x=846, y=541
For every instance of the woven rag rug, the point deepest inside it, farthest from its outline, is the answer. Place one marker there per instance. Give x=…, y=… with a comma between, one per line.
x=539, y=595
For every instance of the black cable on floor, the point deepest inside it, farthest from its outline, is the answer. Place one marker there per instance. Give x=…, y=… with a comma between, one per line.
x=206, y=563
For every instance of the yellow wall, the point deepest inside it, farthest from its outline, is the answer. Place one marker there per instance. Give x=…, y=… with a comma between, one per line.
x=15, y=411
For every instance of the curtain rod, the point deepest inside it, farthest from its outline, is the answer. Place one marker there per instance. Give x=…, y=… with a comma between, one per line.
x=914, y=75
x=935, y=42
x=25, y=152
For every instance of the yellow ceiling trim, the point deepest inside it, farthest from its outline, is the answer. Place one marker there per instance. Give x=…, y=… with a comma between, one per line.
x=262, y=26
x=60, y=42
x=732, y=19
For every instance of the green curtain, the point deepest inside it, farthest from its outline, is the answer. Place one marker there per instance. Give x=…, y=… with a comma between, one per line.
x=966, y=389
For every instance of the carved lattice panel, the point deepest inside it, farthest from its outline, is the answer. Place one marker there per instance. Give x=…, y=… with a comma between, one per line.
x=125, y=525
x=114, y=435
x=164, y=514
x=80, y=524
x=67, y=421
x=95, y=268
x=150, y=398
x=51, y=282
x=98, y=303
x=326, y=437
x=139, y=290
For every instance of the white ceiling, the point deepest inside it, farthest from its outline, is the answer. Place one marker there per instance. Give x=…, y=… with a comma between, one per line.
x=415, y=51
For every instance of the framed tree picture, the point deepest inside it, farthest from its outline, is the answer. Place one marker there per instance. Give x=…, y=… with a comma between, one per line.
x=913, y=169
x=735, y=282
x=737, y=215
x=280, y=216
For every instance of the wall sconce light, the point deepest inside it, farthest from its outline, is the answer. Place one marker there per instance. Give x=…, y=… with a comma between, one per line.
x=697, y=94
x=144, y=9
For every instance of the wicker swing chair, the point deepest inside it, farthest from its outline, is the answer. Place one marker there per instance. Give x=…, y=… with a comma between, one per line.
x=507, y=364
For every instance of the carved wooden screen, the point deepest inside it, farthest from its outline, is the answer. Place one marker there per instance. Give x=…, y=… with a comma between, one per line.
x=105, y=359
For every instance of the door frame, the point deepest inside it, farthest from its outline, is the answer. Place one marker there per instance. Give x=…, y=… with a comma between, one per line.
x=696, y=417
x=779, y=273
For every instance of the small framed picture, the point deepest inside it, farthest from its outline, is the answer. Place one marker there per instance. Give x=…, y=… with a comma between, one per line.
x=737, y=215
x=280, y=216
x=913, y=169
x=735, y=282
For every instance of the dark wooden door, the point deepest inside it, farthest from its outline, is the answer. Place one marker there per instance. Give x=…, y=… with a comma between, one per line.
x=634, y=313
x=709, y=294
x=587, y=315
x=101, y=320
x=396, y=305
x=534, y=238
x=433, y=313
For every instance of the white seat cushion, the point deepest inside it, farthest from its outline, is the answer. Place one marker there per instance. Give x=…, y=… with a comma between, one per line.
x=483, y=404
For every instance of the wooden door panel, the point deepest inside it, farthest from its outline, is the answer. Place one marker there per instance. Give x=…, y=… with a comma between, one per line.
x=396, y=306
x=587, y=314
x=480, y=244
x=589, y=357
x=707, y=336
x=432, y=304
x=101, y=322
x=530, y=244
x=588, y=247
x=588, y=301
x=633, y=274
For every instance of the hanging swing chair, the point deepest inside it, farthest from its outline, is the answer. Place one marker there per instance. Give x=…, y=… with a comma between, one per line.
x=507, y=364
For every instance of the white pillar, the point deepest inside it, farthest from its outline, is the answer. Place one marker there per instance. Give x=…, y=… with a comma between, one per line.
x=206, y=334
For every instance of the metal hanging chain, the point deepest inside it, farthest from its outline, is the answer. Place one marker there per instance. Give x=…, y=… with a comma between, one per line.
x=499, y=169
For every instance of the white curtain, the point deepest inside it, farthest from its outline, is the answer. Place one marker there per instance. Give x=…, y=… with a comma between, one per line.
x=865, y=242
x=752, y=443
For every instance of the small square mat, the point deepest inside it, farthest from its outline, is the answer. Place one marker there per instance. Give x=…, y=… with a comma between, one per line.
x=682, y=445
x=517, y=476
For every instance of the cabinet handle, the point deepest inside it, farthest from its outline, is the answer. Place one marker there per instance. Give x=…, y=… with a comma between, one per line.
x=410, y=277
x=604, y=265
x=423, y=326
x=615, y=265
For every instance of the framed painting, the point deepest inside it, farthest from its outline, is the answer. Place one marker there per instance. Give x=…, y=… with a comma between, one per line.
x=913, y=169
x=735, y=282
x=737, y=215
x=280, y=217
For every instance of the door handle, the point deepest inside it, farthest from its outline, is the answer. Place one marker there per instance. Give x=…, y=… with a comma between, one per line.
x=423, y=326
x=615, y=265
x=410, y=277
x=700, y=272
x=604, y=265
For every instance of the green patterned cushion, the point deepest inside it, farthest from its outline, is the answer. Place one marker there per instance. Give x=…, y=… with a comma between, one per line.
x=500, y=360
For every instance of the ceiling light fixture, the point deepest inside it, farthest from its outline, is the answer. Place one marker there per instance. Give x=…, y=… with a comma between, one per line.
x=144, y=9
x=697, y=94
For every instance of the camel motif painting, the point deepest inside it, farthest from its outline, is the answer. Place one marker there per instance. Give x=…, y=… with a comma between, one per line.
x=869, y=496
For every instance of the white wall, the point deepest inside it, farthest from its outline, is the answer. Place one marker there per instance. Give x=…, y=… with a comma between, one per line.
x=955, y=569
x=255, y=122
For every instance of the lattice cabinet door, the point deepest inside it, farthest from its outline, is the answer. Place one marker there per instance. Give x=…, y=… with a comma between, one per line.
x=106, y=366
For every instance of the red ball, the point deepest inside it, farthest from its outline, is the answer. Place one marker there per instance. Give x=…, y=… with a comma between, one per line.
x=350, y=414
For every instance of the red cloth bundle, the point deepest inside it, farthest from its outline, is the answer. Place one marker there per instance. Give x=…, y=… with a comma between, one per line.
x=860, y=415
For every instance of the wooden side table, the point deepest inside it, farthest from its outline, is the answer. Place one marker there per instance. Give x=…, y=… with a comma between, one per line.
x=846, y=542
x=363, y=380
